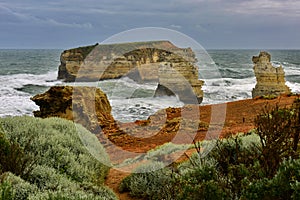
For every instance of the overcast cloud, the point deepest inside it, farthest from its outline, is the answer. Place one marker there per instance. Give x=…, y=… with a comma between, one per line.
x=213, y=23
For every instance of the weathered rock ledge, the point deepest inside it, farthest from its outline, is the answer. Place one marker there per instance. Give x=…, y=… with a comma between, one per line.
x=172, y=68
x=88, y=106
x=270, y=79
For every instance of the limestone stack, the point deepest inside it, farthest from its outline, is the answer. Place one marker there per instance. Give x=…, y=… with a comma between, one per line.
x=270, y=80
x=110, y=61
x=87, y=106
x=172, y=68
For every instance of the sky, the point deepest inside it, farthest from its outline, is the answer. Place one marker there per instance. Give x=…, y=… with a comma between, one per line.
x=215, y=24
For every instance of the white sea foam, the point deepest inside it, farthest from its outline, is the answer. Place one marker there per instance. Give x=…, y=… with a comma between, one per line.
x=292, y=71
x=141, y=108
x=14, y=102
x=130, y=100
x=227, y=89
x=295, y=87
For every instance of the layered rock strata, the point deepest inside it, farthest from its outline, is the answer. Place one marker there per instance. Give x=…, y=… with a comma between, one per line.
x=171, y=67
x=71, y=60
x=88, y=106
x=270, y=80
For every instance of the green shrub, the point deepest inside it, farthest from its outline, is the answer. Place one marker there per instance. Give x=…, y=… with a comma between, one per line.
x=235, y=151
x=276, y=129
x=103, y=194
x=223, y=174
x=269, y=97
x=64, y=167
x=286, y=179
x=159, y=154
x=20, y=188
x=296, y=188
x=296, y=123
x=284, y=185
x=6, y=191
x=56, y=144
x=257, y=190
x=15, y=188
x=200, y=181
x=150, y=181
x=47, y=178
x=13, y=158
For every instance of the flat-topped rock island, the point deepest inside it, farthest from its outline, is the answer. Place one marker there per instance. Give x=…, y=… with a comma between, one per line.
x=173, y=69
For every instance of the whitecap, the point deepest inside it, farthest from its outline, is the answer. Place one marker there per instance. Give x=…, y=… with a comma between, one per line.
x=295, y=87
x=15, y=102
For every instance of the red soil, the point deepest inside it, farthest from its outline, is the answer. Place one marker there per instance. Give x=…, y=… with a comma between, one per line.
x=165, y=125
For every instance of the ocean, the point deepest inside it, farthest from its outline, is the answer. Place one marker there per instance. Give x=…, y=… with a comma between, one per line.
x=25, y=73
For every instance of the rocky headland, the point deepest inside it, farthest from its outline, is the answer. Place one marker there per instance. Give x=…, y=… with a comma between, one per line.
x=173, y=69
x=90, y=107
x=270, y=79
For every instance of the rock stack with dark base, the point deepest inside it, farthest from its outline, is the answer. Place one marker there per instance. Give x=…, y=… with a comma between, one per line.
x=270, y=79
x=87, y=106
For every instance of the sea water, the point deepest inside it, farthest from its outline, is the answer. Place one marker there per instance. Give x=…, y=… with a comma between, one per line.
x=25, y=73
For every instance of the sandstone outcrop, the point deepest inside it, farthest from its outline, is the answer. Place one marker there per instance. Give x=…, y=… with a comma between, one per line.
x=171, y=67
x=270, y=80
x=87, y=106
x=71, y=60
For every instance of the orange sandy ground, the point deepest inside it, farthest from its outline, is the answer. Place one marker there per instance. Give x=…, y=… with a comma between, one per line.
x=240, y=117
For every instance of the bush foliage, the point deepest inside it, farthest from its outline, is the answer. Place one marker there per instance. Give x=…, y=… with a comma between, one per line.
x=263, y=164
x=46, y=159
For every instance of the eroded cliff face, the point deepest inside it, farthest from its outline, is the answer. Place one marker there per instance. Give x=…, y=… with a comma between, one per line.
x=172, y=68
x=174, y=74
x=71, y=60
x=270, y=80
x=88, y=106
x=90, y=63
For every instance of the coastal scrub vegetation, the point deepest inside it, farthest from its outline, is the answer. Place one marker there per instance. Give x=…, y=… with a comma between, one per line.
x=161, y=154
x=262, y=164
x=46, y=159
